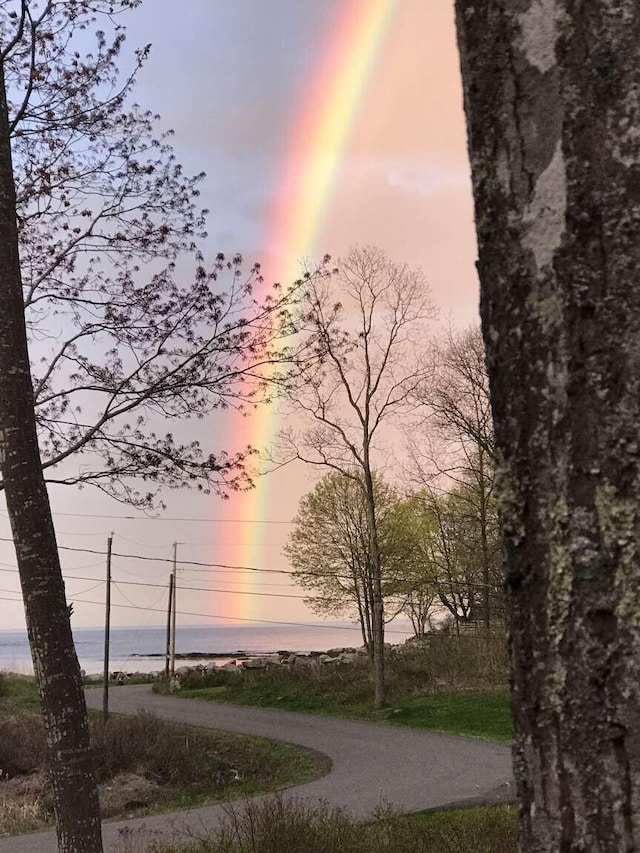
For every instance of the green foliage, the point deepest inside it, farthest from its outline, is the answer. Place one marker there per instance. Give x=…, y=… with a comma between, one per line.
x=298, y=827
x=330, y=548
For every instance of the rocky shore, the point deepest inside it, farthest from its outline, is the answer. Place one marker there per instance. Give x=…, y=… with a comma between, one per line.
x=242, y=660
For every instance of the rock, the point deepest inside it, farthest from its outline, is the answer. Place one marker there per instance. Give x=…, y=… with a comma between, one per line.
x=229, y=666
x=324, y=659
x=181, y=671
x=261, y=663
x=210, y=667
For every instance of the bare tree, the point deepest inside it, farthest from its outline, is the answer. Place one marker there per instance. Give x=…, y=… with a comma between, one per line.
x=456, y=442
x=122, y=344
x=55, y=662
x=552, y=113
x=356, y=369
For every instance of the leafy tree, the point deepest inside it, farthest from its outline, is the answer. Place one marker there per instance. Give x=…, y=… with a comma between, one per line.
x=355, y=369
x=552, y=115
x=329, y=548
x=445, y=561
x=122, y=343
x=416, y=577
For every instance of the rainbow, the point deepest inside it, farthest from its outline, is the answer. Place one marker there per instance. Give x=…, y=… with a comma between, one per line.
x=311, y=163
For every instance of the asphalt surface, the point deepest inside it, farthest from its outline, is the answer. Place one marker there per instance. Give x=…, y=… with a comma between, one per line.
x=372, y=764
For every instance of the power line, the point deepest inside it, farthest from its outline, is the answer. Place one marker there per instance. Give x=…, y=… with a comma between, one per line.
x=231, y=567
x=168, y=518
x=258, y=593
x=240, y=618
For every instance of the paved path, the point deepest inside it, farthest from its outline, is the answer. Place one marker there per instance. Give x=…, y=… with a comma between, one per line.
x=372, y=763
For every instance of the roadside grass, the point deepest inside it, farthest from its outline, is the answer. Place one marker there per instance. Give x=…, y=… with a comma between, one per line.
x=275, y=825
x=451, y=685
x=144, y=765
x=18, y=694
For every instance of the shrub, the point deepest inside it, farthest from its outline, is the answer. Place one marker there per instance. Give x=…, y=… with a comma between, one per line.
x=22, y=745
x=159, y=750
x=438, y=663
x=278, y=824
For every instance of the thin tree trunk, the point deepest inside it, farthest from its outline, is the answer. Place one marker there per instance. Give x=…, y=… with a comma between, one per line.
x=54, y=658
x=377, y=603
x=361, y=612
x=553, y=112
x=484, y=551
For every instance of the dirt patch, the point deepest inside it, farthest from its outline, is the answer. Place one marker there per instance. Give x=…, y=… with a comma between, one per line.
x=126, y=794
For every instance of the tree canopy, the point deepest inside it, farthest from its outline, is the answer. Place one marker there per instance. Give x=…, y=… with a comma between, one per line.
x=329, y=548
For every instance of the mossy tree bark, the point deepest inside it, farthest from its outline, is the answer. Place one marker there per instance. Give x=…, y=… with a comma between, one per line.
x=54, y=657
x=552, y=97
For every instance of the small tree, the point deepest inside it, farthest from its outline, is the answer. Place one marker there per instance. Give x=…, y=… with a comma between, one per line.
x=356, y=368
x=416, y=576
x=330, y=548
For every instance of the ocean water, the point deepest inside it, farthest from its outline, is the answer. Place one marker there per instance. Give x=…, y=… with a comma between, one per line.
x=143, y=649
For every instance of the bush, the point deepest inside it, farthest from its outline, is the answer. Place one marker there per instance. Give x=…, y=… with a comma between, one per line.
x=276, y=824
x=158, y=750
x=22, y=745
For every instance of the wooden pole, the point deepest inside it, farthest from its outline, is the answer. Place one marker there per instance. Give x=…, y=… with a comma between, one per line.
x=167, y=662
x=173, y=612
x=107, y=629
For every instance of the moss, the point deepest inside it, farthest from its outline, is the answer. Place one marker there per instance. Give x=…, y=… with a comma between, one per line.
x=510, y=503
x=617, y=519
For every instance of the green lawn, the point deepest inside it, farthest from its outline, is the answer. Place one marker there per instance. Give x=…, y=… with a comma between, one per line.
x=472, y=713
x=18, y=694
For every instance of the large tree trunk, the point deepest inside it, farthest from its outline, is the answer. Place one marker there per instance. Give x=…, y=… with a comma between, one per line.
x=54, y=657
x=552, y=96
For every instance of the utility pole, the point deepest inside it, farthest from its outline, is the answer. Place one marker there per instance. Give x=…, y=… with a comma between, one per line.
x=107, y=629
x=167, y=661
x=172, y=666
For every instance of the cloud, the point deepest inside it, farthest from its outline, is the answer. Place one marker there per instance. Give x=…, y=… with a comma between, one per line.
x=420, y=177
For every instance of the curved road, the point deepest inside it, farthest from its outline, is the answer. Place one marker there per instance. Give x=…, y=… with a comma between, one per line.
x=372, y=763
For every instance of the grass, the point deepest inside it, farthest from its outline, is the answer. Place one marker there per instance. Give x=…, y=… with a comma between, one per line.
x=143, y=765
x=18, y=694
x=452, y=686
x=275, y=825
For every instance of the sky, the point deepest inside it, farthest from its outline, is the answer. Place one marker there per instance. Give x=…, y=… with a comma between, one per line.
x=264, y=96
